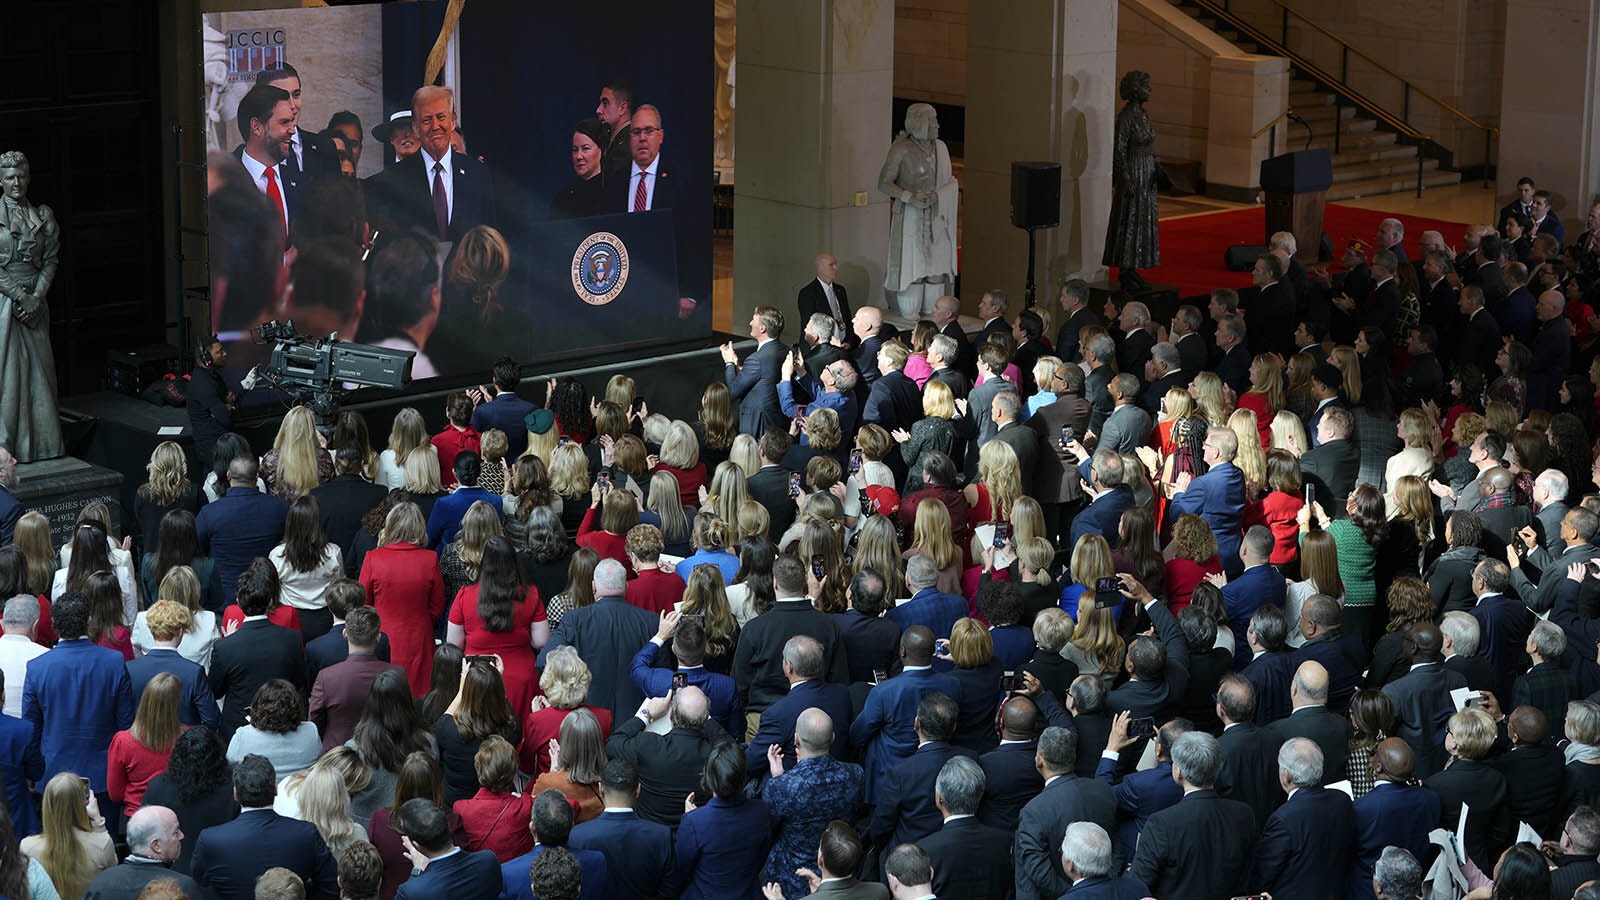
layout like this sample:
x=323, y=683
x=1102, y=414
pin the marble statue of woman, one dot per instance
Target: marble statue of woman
x=30, y=242
x=922, y=214
x=1131, y=235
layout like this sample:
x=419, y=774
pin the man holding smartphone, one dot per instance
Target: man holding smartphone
x=688, y=637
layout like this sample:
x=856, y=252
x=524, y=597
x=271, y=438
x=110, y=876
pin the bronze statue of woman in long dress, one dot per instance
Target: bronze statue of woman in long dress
x=1131, y=235
x=30, y=242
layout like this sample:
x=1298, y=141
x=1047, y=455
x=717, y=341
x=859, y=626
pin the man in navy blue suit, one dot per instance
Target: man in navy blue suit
x=76, y=696
x=1249, y=754
x=1304, y=849
x=332, y=648
x=802, y=666
x=1066, y=798
x=1217, y=496
x=905, y=809
x=1202, y=846
x=928, y=606
x=440, y=869
x=1272, y=665
x=168, y=622
x=755, y=384
x=229, y=858
x=688, y=639
x=1088, y=861
x=444, y=522
x=1398, y=812
x=241, y=525
x=1103, y=515
x=500, y=407
x=1140, y=795
x=638, y=852
x=971, y=861
x=1259, y=585
x=886, y=730
x=436, y=189
x=552, y=826
x=1010, y=780
x=1342, y=656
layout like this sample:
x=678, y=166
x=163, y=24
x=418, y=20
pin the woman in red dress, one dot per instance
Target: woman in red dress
x=1194, y=550
x=500, y=616
x=405, y=586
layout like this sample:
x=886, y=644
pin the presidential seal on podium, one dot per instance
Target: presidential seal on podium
x=600, y=268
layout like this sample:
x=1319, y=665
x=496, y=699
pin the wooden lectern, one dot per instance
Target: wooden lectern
x=1296, y=186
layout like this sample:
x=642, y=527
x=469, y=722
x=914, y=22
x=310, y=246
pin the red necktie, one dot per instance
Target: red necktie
x=275, y=195
x=639, y=195
x=441, y=204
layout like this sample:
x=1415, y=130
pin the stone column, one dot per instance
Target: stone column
x=1549, y=124
x=1246, y=93
x=1041, y=85
x=816, y=82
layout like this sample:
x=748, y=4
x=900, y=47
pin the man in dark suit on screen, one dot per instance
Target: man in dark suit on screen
x=266, y=119
x=755, y=383
x=649, y=183
x=310, y=154
x=438, y=190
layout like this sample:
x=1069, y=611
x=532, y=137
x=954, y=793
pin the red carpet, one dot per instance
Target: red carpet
x=1192, y=248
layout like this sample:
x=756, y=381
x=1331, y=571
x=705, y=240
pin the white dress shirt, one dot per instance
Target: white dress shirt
x=649, y=186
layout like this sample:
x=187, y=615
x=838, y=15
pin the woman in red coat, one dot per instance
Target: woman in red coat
x=501, y=616
x=496, y=818
x=405, y=586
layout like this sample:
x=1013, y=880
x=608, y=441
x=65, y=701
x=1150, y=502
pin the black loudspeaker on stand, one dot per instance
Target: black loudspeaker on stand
x=1035, y=204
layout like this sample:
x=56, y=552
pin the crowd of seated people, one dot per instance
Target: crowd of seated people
x=1246, y=601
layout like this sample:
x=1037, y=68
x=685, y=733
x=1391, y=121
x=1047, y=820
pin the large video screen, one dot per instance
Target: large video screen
x=546, y=195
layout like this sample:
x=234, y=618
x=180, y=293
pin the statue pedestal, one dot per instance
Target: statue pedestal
x=1162, y=299
x=60, y=487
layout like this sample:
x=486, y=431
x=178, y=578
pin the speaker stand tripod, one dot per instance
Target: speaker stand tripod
x=1030, y=299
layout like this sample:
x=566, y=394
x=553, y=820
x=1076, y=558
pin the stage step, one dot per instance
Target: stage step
x=1383, y=168
x=1391, y=184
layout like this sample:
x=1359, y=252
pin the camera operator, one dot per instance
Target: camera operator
x=210, y=404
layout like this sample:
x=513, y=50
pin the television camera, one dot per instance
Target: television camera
x=317, y=372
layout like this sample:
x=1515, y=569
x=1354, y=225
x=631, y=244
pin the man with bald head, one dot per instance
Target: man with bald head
x=1249, y=753
x=1535, y=771
x=1010, y=779
x=1396, y=812
x=1551, y=348
x=1500, y=513
x=805, y=795
x=1422, y=694
x=885, y=732
x=154, y=841
x=669, y=765
x=1312, y=719
x=867, y=325
x=808, y=692
x=1342, y=656
x=823, y=295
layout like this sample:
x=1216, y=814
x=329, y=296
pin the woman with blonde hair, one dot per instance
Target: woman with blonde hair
x=1095, y=645
x=1044, y=373
x=1210, y=399
x=620, y=390
x=323, y=799
x=1266, y=394
x=930, y=535
x=1193, y=557
x=743, y=453
x=680, y=458
x=74, y=846
x=181, y=619
x=998, y=486
x=936, y=431
x=32, y=537
x=1319, y=574
x=1348, y=362
x=1176, y=406
x=569, y=478
x=663, y=508
x=576, y=762
x=1410, y=531
x=1249, y=457
x=1091, y=561
x=140, y=753
x=716, y=427
x=408, y=433
x=752, y=520
x=1415, y=429
x=461, y=557
x=711, y=541
x=405, y=586
x=297, y=461
x=1501, y=418
x=420, y=481
x=728, y=490
x=543, y=436
x=168, y=488
x=1288, y=433
x=565, y=682
x=878, y=549
x=705, y=595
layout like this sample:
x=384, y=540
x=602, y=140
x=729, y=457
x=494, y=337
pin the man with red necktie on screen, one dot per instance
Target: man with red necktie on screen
x=266, y=120
x=649, y=185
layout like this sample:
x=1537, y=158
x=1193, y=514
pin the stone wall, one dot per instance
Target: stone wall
x=930, y=50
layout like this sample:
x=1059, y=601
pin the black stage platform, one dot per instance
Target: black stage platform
x=120, y=432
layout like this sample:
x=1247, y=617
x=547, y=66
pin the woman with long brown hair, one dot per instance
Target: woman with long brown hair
x=177, y=544
x=90, y=554
x=106, y=626
x=74, y=846
x=141, y=752
x=529, y=489
x=716, y=427
x=706, y=596
x=480, y=709
x=1357, y=538
x=501, y=616
x=307, y=562
x=460, y=559
x=418, y=777
x=579, y=591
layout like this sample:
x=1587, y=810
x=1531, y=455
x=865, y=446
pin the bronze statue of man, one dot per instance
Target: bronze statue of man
x=30, y=245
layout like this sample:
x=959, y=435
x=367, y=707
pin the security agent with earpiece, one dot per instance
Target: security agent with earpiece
x=211, y=405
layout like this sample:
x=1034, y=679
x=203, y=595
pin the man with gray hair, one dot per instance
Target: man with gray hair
x=946, y=317
x=1111, y=497
x=832, y=388
x=17, y=647
x=816, y=346
x=944, y=358
x=1087, y=859
x=11, y=508
x=930, y=607
x=1202, y=847
x=1075, y=304
x=1304, y=849
x=1186, y=336
x=1042, y=826
x=154, y=841
x=808, y=693
x=970, y=859
x=823, y=296
x=1574, y=854
x=1006, y=411
x=1218, y=496
x=606, y=634
x=993, y=307
x=1576, y=532
x=1162, y=373
x=1397, y=876
x=1461, y=638
x=1503, y=623
x=1550, y=489
x=1098, y=354
x=1137, y=336
x=1551, y=349
x=1547, y=686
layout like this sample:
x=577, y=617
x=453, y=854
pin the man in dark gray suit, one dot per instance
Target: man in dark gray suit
x=1128, y=426
x=1550, y=499
x=755, y=384
x=1066, y=798
x=1249, y=753
x=1311, y=718
x=1024, y=441
x=992, y=362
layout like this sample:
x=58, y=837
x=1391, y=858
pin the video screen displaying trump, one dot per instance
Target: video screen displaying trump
x=526, y=179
